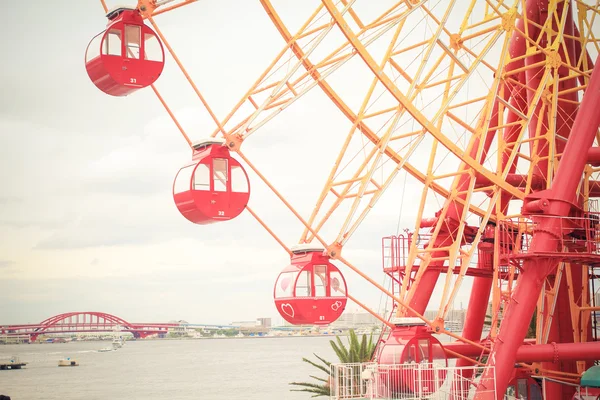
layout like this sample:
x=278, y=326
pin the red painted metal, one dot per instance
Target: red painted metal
x=553, y=389
x=412, y=345
x=214, y=187
x=561, y=230
x=481, y=289
x=311, y=290
x=575, y=236
x=474, y=320
x=560, y=202
x=127, y=56
x=395, y=254
x=594, y=156
x=530, y=353
x=88, y=321
x=523, y=386
x=561, y=331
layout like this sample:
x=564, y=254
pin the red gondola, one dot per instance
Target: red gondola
x=118, y=61
x=523, y=386
x=311, y=290
x=409, y=344
x=214, y=187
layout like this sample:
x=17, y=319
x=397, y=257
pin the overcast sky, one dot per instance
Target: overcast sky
x=87, y=219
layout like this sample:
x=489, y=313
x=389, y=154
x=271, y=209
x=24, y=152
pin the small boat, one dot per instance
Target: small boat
x=117, y=343
x=13, y=363
x=68, y=362
x=106, y=349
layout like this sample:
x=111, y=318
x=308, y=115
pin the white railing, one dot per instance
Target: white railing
x=581, y=393
x=405, y=381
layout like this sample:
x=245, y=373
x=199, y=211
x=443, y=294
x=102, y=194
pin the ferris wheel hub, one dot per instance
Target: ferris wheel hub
x=509, y=19
x=146, y=7
x=234, y=142
x=335, y=251
x=455, y=41
x=553, y=59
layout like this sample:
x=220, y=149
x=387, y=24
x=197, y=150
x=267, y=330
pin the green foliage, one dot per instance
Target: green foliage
x=531, y=330
x=321, y=386
x=356, y=351
x=227, y=332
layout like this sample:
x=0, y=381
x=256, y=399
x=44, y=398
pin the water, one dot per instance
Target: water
x=210, y=369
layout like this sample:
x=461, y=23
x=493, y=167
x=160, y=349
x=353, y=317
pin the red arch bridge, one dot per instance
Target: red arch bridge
x=85, y=322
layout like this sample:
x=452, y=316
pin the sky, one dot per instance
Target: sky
x=87, y=219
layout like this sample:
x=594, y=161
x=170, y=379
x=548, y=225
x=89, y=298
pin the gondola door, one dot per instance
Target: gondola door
x=221, y=187
x=132, y=53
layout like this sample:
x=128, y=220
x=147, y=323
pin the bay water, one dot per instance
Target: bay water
x=211, y=369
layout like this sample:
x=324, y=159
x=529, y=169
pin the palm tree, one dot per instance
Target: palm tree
x=356, y=351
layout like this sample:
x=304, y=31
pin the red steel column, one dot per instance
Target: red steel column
x=536, y=269
x=562, y=330
x=536, y=352
x=473, y=326
x=554, y=390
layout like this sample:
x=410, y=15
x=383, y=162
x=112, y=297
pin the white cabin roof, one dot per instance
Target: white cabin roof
x=306, y=247
x=207, y=142
x=407, y=321
x=111, y=11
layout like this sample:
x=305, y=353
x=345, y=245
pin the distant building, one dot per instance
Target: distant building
x=181, y=329
x=430, y=314
x=355, y=320
x=246, y=324
x=264, y=322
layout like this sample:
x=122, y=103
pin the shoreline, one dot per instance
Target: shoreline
x=183, y=338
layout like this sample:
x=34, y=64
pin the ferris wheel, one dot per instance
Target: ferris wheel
x=489, y=107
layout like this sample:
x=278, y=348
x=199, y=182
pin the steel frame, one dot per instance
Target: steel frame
x=516, y=148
